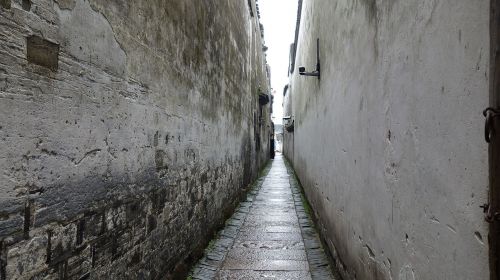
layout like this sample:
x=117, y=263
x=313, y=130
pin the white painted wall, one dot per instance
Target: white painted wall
x=389, y=144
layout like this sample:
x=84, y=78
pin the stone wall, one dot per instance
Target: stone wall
x=389, y=144
x=128, y=131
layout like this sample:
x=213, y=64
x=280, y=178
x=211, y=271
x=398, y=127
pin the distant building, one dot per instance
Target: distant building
x=278, y=132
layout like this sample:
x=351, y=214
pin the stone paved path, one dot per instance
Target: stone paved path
x=270, y=236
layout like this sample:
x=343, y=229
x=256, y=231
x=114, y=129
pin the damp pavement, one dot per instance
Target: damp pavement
x=270, y=235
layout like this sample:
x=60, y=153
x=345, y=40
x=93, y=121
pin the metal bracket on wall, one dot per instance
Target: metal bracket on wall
x=490, y=216
x=302, y=70
x=489, y=129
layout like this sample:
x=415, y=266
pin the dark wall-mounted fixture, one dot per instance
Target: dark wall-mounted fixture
x=289, y=126
x=263, y=99
x=302, y=70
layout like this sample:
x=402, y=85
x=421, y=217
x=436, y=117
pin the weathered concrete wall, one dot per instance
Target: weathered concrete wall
x=389, y=143
x=128, y=129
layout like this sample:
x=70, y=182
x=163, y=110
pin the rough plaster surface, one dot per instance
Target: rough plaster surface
x=123, y=160
x=389, y=143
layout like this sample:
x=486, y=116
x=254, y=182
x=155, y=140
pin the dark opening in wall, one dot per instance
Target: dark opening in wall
x=49, y=247
x=257, y=142
x=263, y=99
x=3, y=260
x=80, y=229
x=26, y=5
x=5, y=4
x=42, y=52
x=27, y=220
x=250, y=7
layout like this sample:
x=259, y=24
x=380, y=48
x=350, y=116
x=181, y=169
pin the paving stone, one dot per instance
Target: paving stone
x=274, y=218
x=268, y=254
x=273, y=212
x=272, y=265
x=272, y=229
x=250, y=234
x=256, y=223
x=298, y=245
x=252, y=274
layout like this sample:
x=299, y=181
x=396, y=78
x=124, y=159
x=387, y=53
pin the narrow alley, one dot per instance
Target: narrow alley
x=250, y=139
x=270, y=235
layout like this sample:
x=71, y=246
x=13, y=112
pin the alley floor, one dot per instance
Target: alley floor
x=270, y=236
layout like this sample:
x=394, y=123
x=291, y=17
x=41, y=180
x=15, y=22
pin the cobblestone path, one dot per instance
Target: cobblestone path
x=270, y=236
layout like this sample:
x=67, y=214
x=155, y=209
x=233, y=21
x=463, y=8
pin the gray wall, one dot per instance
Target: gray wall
x=389, y=143
x=287, y=124
x=127, y=132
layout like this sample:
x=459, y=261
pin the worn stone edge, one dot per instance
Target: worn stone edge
x=321, y=263
x=215, y=253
